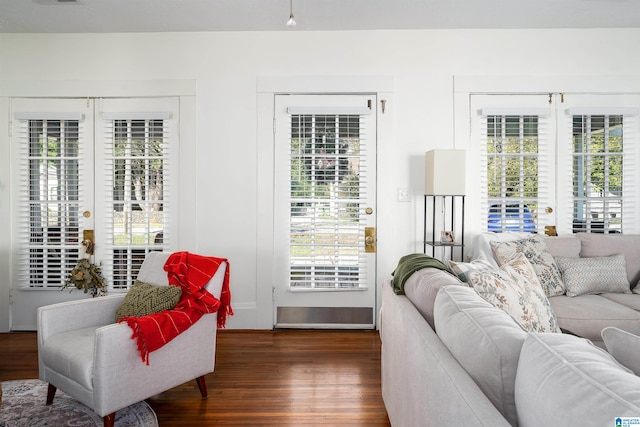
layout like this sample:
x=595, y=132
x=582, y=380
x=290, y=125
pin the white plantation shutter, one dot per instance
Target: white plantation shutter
x=135, y=188
x=116, y=174
x=515, y=177
x=588, y=158
x=631, y=173
x=51, y=183
x=604, y=165
x=328, y=181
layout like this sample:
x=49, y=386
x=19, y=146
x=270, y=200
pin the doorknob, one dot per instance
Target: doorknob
x=370, y=239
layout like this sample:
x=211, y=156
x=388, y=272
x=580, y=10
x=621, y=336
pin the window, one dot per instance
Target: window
x=512, y=172
x=135, y=154
x=325, y=218
x=112, y=179
x=572, y=165
x=514, y=153
x=598, y=154
x=50, y=173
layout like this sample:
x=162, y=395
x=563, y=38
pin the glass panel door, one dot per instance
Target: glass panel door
x=325, y=188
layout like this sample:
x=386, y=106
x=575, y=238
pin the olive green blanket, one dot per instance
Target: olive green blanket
x=408, y=265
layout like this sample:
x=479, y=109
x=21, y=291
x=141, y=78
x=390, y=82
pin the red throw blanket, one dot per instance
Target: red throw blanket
x=191, y=272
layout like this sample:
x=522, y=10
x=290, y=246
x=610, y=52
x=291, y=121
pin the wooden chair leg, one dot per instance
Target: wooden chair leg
x=51, y=392
x=109, y=420
x=202, y=385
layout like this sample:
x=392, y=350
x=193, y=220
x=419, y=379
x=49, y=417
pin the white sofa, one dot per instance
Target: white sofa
x=450, y=357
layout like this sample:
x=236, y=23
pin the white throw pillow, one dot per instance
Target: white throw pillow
x=515, y=289
x=623, y=346
x=481, y=245
x=462, y=269
x=536, y=250
x=594, y=275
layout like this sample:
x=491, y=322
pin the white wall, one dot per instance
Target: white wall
x=432, y=73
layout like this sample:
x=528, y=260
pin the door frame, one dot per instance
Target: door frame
x=185, y=89
x=5, y=223
x=267, y=89
x=321, y=308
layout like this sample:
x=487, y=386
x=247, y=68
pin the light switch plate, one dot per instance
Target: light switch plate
x=403, y=195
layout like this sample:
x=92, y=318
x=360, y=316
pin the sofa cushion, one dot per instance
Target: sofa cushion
x=596, y=244
x=485, y=341
x=566, y=380
x=536, y=251
x=462, y=269
x=587, y=315
x=594, y=275
x=71, y=354
x=422, y=287
x=628, y=300
x=515, y=288
x=565, y=246
x=623, y=346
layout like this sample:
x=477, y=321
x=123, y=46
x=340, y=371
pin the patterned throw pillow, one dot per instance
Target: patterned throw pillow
x=515, y=289
x=143, y=299
x=536, y=251
x=462, y=269
x=594, y=275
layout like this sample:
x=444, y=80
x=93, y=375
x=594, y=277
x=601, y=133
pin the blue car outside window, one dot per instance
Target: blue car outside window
x=510, y=218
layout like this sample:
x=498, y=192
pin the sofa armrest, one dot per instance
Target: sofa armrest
x=62, y=317
x=422, y=383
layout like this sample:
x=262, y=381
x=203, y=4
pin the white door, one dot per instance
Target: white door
x=52, y=146
x=83, y=167
x=325, y=164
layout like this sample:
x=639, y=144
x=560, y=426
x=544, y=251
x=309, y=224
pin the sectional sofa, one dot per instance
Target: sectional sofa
x=453, y=354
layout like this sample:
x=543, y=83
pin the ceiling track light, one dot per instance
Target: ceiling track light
x=291, y=23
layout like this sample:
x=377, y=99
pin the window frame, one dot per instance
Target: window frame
x=558, y=211
x=525, y=212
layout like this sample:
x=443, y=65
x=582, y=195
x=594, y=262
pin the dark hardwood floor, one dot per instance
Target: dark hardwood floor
x=262, y=378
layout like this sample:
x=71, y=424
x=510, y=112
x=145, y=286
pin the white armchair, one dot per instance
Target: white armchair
x=82, y=352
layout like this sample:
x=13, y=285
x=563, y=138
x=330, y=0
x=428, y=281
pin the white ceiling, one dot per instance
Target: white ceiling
x=101, y=16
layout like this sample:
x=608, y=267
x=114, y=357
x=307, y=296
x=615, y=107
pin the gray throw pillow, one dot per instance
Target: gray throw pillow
x=594, y=275
x=143, y=299
x=597, y=244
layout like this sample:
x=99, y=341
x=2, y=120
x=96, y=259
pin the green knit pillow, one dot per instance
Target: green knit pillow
x=143, y=299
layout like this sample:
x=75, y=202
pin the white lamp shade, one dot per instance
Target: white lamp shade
x=444, y=172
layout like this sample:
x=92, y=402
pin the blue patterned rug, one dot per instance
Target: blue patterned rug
x=23, y=404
